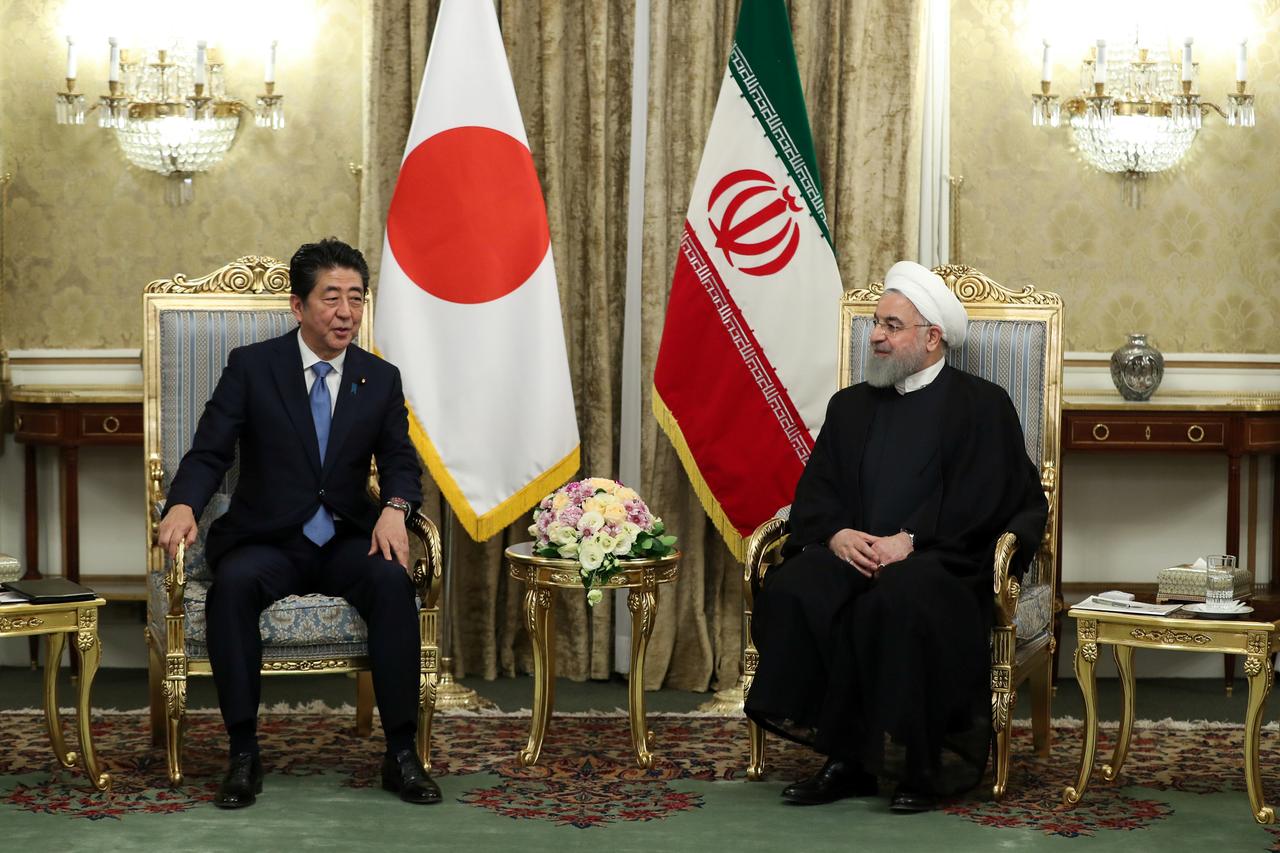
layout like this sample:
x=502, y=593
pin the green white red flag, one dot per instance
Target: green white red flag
x=747, y=361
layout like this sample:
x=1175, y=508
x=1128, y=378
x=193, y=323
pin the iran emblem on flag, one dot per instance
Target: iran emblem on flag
x=747, y=361
x=467, y=302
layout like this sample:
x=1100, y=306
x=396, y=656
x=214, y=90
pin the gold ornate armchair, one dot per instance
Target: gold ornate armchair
x=190, y=327
x=1015, y=340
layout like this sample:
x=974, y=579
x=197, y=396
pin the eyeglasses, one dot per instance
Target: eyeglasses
x=891, y=328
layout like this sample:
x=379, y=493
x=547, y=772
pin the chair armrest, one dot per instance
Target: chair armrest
x=428, y=569
x=762, y=551
x=155, y=494
x=1008, y=588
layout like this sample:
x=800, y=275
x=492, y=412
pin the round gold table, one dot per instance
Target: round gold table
x=541, y=575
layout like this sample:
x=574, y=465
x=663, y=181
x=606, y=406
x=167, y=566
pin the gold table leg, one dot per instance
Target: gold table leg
x=642, y=602
x=539, y=618
x=89, y=652
x=1086, y=658
x=1260, y=674
x=52, y=661
x=1124, y=663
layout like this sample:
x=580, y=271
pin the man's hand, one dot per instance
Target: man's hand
x=391, y=537
x=891, y=549
x=178, y=525
x=855, y=548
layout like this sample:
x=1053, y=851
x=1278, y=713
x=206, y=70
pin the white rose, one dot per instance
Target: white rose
x=590, y=555
x=630, y=528
x=533, y=531
x=606, y=542
x=594, y=597
x=569, y=551
x=561, y=534
x=591, y=521
x=606, y=499
x=623, y=548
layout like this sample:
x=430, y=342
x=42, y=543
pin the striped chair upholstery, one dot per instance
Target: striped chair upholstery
x=1015, y=341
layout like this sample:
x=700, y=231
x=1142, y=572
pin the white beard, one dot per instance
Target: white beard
x=884, y=372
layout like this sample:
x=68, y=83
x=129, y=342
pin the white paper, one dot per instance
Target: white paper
x=9, y=597
x=1140, y=608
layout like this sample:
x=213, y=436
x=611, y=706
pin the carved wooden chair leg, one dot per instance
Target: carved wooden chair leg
x=155, y=691
x=1002, y=704
x=175, y=688
x=1041, y=679
x=755, y=769
x=426, y=715
x=364, y=704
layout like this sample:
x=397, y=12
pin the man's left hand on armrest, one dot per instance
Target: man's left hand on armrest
x=391, y=537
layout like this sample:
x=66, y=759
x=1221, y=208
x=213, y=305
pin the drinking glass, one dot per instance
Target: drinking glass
x=1219, y=587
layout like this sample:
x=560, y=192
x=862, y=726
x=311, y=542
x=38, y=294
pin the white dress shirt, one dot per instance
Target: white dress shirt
x=914, y=382
x=333, y=380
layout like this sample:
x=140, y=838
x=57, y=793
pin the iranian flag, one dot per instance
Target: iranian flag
x=467, y=302
x=748, y=354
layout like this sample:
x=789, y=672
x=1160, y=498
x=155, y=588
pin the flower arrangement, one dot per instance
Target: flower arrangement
x=597, y=522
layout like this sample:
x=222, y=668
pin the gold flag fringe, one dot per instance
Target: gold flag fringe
x=737, y=542
x=482, y=527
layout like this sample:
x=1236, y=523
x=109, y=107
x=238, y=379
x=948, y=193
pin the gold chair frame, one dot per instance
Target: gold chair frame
x=983, y=299
x=256, y=283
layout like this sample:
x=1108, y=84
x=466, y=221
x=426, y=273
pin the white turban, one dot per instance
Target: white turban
x=932, y=298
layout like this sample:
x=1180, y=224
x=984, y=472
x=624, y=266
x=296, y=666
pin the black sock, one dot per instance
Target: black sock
x=244, y=737
x=401, y=738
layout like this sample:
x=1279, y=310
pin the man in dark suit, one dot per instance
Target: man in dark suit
x=308, y=411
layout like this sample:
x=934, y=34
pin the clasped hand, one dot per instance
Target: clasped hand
x=869, y=554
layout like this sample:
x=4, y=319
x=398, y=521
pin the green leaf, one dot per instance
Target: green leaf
x=667, y=540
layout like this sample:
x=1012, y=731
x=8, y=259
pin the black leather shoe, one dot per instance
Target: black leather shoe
x=242, y=783
x=835, y=781
x=907, y=801
x=403, y=772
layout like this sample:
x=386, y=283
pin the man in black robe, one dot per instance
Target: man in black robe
x=874, y=632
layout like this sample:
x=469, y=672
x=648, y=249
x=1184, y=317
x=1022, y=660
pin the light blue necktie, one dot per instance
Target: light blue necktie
x=319, y=528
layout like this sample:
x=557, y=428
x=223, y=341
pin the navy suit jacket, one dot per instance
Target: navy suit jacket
x=261, y=402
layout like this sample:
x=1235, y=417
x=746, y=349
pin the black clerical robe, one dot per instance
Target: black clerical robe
x=849, y=664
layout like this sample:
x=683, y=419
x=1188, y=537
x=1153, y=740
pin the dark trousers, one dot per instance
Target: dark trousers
x=249, y=579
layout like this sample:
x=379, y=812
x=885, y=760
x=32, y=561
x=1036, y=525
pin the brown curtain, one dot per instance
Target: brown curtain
x=571, y=62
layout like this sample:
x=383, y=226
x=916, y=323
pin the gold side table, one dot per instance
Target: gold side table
x=541, y=575
x=1256, y=639
x=55, y=622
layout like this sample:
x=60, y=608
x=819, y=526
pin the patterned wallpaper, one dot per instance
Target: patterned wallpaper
x=1197, y=266
x=85, y=231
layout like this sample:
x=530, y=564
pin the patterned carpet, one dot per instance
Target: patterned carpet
x=586, y=777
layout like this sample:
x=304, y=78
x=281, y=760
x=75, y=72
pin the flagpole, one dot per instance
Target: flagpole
x=450, y=695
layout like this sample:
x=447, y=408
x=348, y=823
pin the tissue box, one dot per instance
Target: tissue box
x=10, y=570
x=1186, y=583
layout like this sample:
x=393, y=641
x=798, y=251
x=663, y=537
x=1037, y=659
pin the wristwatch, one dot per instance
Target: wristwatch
x=398, y=503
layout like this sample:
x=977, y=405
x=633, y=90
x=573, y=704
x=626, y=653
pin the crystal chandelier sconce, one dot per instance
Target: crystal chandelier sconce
x=169, y=109
x=1137, y=112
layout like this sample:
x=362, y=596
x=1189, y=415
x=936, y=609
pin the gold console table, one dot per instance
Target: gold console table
x=542, y=575
x=54, y=622
x=1255, y=637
